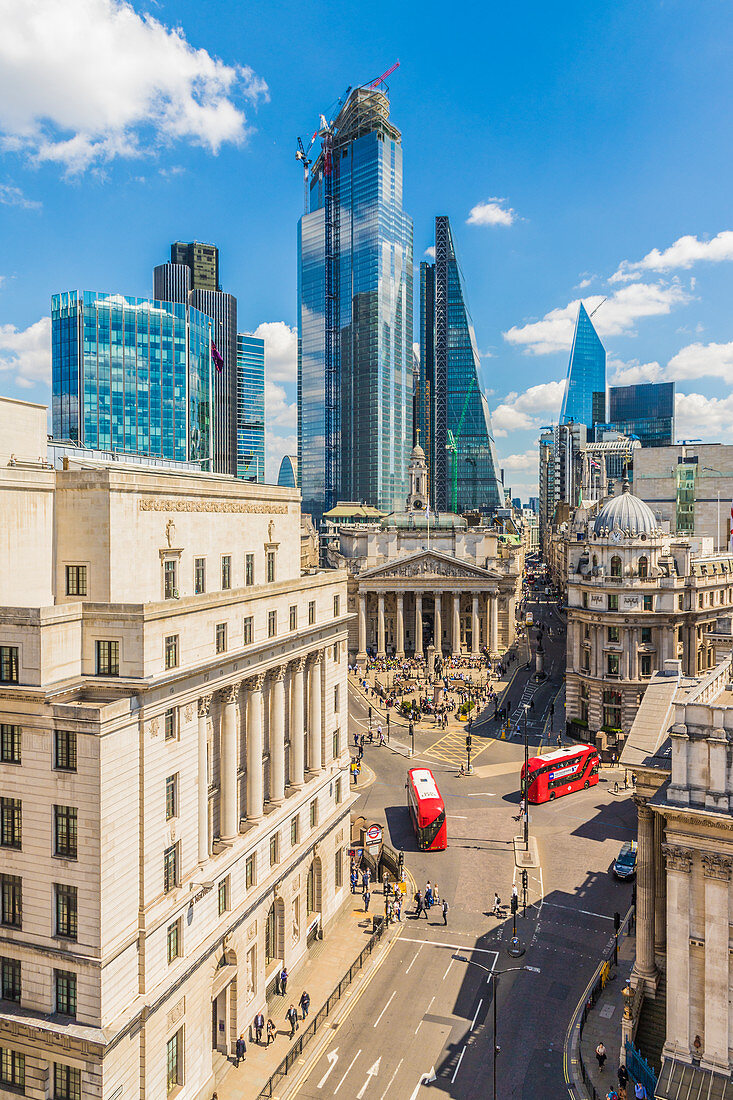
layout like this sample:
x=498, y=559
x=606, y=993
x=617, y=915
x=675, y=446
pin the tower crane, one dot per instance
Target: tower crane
x=381, y=79
x=302, y=155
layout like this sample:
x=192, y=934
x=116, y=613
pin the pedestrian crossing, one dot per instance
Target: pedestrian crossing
x=451, y=749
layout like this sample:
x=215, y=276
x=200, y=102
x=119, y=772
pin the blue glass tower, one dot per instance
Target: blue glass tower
x=452, y=411
x=288, y=474
x=131, y=375
x=250, y=407
x=355, y=315
x=584, y=401
x=645, y=411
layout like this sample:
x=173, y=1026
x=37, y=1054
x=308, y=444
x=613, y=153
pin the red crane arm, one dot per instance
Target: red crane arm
x=383, y=77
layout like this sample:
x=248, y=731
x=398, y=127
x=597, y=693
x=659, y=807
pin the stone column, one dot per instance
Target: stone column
x=645, y=967
x=297, y=726
x=400, y=648
x=474, y=627
x=438, y=625
x=255, y=770
x=494, y=643
x=361, y=655
x=203, y=777
x=380, y=646
x=314, y=712
x=456, y=624
x=660, y=888
x=679, y=867
x=418, y=624
x=228, y=763
x=716, y=871
x=277, y=736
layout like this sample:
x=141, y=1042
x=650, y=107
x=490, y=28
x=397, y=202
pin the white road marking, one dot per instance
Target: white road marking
x=425, y=1079
x=450, y=964
x=458, y=817
x=333, y=1058
x=480, y=794
x=473, y=1023
x=389, y=1086
x=425, y=1014
x=371, y=1072
x=455, y=1071
x=338, y=1086
x=585, y=912
x=453, y=946
x=389, y=1002
x=416, y=954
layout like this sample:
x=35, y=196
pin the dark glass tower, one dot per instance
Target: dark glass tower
x=250, y=407
x=645, y=411
x=453, y=413
x=355, y=362
x=202, y=260
x=584, y=401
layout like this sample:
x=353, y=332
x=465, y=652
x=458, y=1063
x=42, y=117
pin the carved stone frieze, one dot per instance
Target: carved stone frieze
x=160, y=504
x=717, y=866
x=176, y=1012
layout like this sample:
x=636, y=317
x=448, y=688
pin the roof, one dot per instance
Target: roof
x=626, y=513
x=680, y=1081
x=349, y=510
x=652, y=721
x=436, y=520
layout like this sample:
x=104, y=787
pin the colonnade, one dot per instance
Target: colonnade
x=484, y=604
x=240, y=706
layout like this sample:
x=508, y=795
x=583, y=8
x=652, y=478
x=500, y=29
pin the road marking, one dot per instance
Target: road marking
x=338, y=1086
x=333, y=1058
x=416, y=954
x=379, y=1017
x=455, y=1071
x=450, y=964
x=389, y=1086
x=425, y=1014
x=425, y=1079
x=458, y=817
x=473, y=1024
x=453, y=947
x=585, y=912
x=371, y=1072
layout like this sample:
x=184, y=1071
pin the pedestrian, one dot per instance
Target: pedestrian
x=601, y=1055
x=283, y=980
x=271, y=1032
x=497, y=905
x=445, y=911
x=292, y=1017
x=305, y=1002
x=428, y=895
x=398, y=908
x=612, y=1094
x=240, y=1048
x=436, y=895
x=640, y=1092
x=367, y=899
x=259, y=1023
x=365, y=879
x=354, y=880
x=623, y=1079
x=515, y=892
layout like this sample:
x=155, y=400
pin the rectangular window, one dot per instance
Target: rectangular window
x=646, y=664
x=76, y=580
x=585, y=599
x=646, y=634
x=171, y=797
x=612, y=664
x=108, y=658
x=9, y=664
x=12, y=1069
x=10, y=744
x=174, y=941
x=338, y=790
x=294, y=831
x=65, y=831
x=680, y=602
x=274, y=849
x=64, y=750
x=221, y=637
x=224, y=904
x=314, y=813
x=336, y=744
x=65, y=983
x=174, y=1061
x=271, y=624
x=66, y=1082
x=10, y=979
x=226, y=572
x=311, y=612
x=336, y=653
x=249, y=872
x=270, y=566
x=613, y=634
x=294, y=617
x=338, y=868
x=171, y=724
x=613, y=603
x=66, y=911
x=336, y=698
x=12, y=901
x=171, y=651
x=170, y=868
x=336, y=606
x=248, y=630
x=249, y=569
x=11, y=823
x=170, y=580
x=585, y=661
x=648, y=603
x=199, y=576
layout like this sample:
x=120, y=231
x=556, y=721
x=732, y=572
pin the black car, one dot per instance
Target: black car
x=624, y=866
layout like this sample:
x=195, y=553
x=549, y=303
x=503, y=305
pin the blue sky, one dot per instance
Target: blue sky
x=591, y=141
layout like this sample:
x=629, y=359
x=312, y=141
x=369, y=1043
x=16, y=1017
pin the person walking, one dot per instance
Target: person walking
x=640, y=1092
x=398, y=908
x=365, y=879
x=305, y=1003
x=240, y=1050
x=354, y=880
x=367, y=899
x=292, y=1017
x=259, y=1023
x=601, y=1055
x=284, y=980
x=623, y=1079
x=428, y=895
x=271, y=1032
x=445, y=911
x=497, y=905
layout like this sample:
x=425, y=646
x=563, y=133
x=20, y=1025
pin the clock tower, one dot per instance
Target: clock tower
x=417, y=500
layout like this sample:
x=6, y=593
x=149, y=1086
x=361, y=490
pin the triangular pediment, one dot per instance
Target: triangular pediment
x=426, y=564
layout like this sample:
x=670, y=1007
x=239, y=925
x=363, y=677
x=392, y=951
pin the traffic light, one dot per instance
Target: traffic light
x=515, y=903
x=402, y=860
x=524, y=881
x=370, y=713
x=468, y=741
x=616, y=921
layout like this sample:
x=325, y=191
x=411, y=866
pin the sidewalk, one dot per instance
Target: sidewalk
x=320, y=972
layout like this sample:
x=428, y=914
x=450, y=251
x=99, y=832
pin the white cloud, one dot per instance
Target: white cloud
x=528, y=460
x=693, y=361
x=632, y=374
x=281, y=350
x=685, y=252
x=13, y=196
x=528, y=410
x=26, y=353
x=492, y=212
x=616, y=317
x=706, y=417
x=278, y=410
x=430, y=251
x=277, y=445
x=86, y=81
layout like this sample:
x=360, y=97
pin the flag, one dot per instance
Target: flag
x=217, y=357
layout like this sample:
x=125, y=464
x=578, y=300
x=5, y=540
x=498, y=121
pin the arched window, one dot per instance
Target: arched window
x=615, y=566
x=270, y=936
x=643, y=568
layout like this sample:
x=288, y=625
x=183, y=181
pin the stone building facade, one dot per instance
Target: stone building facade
x=173, y=771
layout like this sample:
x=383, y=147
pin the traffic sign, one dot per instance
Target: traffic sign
x=374, y=834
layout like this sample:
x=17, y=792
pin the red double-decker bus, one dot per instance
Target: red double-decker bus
x=427, y=810
x=560, y=772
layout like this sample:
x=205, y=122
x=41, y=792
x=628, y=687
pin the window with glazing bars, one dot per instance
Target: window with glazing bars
x=249, y=569
x=270, y=566
x=10, y=744
x=64, y=750
x=174, y=1061
x=170, y=868
x=108, y=658
x=65, y=831
x=311, y=612
x=171, y=724
x=221, y=637
x=9, y=664
x=171, y=651
x=170, y=580
x=66, y=1082
x=12, y=1069
x=294, y=830
x=294, y=617
x=249, y=872
x=171, y=796
x=248, y=630
x=10, y=979
x=76, y=580
x=224, y=895
x=199, y=575
x=174, y=932
x=336, y=607
x=226, y=571
x=66, y=911
x=11, y=823
x=65, y=983
x=271, y=624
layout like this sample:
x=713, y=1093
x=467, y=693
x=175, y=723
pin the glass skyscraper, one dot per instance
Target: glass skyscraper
x=452, y=411
x=131, y=375
x=355, y=315
x=645, y=411
x=250, y=407
x=584, y=401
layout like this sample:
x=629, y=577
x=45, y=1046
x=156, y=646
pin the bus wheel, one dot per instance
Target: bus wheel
x=552, y=796
x=586, y=785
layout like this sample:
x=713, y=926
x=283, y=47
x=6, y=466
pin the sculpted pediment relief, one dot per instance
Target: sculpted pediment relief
x=427, y=565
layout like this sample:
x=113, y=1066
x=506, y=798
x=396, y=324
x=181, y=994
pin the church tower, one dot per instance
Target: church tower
x=417, y=501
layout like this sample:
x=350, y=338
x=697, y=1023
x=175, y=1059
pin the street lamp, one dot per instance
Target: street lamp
x=525, y=785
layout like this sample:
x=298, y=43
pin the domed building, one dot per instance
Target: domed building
x=637, y=597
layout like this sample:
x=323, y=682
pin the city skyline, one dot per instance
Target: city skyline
x=652, y=239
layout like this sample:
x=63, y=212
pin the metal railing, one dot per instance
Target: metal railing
x=323, y=1013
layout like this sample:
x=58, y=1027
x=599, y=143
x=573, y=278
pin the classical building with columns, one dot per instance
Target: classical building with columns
x=637, y=597
x=417, y=579
x=680, y=749
x=173, y=770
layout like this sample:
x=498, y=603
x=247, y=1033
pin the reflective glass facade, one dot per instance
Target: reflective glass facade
x=645, y=412
x=288, y=474
x=453, y=414
x=250, y=408
x=584, y=401
x=370, y=433
x=131, y=375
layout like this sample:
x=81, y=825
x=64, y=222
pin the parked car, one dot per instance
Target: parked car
x=624, y=866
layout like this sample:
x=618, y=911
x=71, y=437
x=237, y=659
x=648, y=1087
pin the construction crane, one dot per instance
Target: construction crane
x=597, y=307
x=381, y=79
x=302, y=155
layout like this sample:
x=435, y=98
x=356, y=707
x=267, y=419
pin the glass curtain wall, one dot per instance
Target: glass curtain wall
x=250, y=408
x=584, y=401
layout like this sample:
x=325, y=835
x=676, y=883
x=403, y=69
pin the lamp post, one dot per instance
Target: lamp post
x=525, y=785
